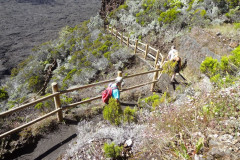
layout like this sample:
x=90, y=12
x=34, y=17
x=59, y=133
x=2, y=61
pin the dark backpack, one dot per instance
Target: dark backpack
x=107, y=94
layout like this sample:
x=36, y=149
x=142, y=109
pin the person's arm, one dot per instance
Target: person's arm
x=117, y=95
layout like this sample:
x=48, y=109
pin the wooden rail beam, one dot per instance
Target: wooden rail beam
x=153, y=49
x=139, y=74
x=86, y=86
x=137, y=86
x=29, y=123
x=28, y=104
x=81, y=102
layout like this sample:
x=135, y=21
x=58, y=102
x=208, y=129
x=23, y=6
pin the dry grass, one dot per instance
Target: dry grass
x=227, y=30
x=180, y=132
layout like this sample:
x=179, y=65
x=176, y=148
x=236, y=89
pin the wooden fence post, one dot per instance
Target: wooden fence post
x=135, y=50
x=57, y=101
x=121, y=38
x=116, y=33
x=155, y=77
x=120, y=75
x=128, y=41
x=156, y=60
x=146, y=52
x=162, y=61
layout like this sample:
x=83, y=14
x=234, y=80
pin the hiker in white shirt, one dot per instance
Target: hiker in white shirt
x=172, y=53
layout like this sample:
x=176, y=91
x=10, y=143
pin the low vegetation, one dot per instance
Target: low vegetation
x=112, y=151
x=183, y=126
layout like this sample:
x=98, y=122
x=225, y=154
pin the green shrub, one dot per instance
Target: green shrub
x=65, y=99
x=235, y=58
x=232, y=12
x=168, y=67
x=190, y=5
x=124, y=6
x=203, y=13
x=103, y=48
x=237, y=25
x=222, y=74
x=107, y=55
x=129, y=115
x=113, y=112
x=39, y=105
x=112, y=150
x=168, y=16
x=165, y=97
x=34, y=83
x=153, y=100
x=224, y=64
x=3, y=95
x=69, y=75
x=210, y=66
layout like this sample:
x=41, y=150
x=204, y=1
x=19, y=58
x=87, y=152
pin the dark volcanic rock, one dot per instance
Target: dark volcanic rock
x=109, y=5
x=27, y=23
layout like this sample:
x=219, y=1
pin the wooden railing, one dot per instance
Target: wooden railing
x=146, y=49
x=59, y=108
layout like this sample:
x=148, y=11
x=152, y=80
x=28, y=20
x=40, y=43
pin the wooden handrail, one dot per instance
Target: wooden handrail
x=56, y=94
x=140, y=49
x=28, y=104
x=81, y=102
x=137, y=86
x=86, y=86
x=139, y=74
x=29, y=123
x=142, y=43
x=125, y=37
x=152, y=48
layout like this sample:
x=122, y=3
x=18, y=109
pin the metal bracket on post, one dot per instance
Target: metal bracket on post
x=155, y=77
x=57, y=101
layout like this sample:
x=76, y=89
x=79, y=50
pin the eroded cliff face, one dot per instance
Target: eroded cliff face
x=109, y=5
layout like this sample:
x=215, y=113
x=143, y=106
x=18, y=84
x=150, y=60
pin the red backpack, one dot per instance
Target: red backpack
x=107, y=94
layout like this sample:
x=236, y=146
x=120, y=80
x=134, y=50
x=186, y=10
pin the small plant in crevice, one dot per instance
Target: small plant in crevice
x=112, y=150
x=3, y=94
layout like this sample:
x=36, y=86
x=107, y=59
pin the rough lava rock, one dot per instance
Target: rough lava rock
x=27, y=23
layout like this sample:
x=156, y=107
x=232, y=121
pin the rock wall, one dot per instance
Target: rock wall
x=109, y=5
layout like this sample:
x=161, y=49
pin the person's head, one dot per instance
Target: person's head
x=173, y=47
x=118, y=81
